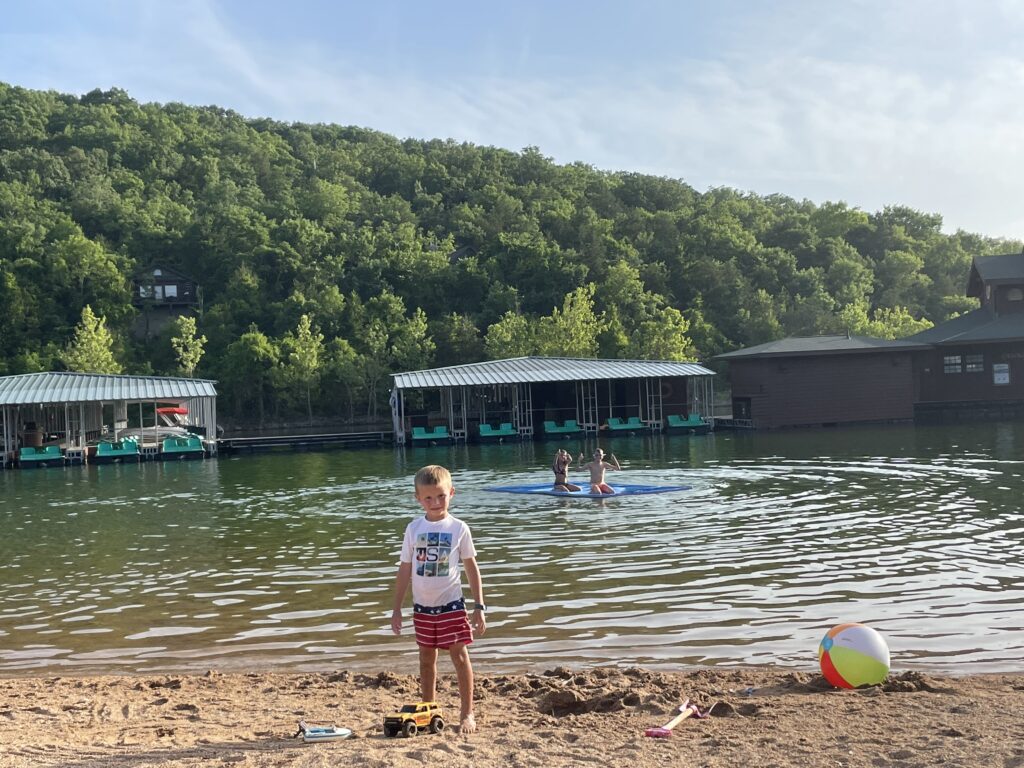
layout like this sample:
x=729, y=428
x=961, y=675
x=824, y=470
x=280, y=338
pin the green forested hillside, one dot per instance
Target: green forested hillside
x=330, y=256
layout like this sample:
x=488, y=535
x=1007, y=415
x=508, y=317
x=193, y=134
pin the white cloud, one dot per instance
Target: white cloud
x=802, y=127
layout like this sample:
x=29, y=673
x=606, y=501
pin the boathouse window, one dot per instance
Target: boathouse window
x=1015, y=294
x=952, y=364
x=974, y=363
x=1001, y=373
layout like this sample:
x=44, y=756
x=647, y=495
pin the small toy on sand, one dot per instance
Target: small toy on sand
x=686, y=709
x=322, y=732
x=412, y=718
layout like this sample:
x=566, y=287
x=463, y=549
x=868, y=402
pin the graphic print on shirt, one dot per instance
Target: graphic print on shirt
x=433, y=551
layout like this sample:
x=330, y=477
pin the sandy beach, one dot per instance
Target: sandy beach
x=560, y=717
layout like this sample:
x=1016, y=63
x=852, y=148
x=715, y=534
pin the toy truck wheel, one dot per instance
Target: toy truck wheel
x=409, y=728
x=390, y=731
x=436, y=724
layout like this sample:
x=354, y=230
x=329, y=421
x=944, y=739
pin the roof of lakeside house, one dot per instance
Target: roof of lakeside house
x=1000, y=269
x=804, y=346
x=978, y=325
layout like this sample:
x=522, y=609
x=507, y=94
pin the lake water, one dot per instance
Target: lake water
x=286, y=561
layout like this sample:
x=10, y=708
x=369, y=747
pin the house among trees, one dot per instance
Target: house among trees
x=461, y=253
x=162, y=294
x=969, y=367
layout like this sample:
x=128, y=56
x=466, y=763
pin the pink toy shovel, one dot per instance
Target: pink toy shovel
x=685, y=710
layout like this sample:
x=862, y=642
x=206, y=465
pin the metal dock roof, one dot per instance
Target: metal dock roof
x=530, y=370
x=67, y=387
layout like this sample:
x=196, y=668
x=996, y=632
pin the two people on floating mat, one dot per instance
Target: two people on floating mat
x=596, y=466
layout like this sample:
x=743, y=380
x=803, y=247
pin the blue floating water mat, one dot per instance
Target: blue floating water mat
x=620, y=490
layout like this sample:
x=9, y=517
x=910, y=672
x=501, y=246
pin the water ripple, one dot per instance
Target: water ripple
x=288, y=561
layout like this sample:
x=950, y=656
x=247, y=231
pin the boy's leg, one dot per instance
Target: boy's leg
x=464, y=672
x=428, y=674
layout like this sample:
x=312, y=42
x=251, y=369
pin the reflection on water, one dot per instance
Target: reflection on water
x=287, y=560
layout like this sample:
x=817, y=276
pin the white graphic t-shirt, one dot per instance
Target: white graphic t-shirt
x=436, y=551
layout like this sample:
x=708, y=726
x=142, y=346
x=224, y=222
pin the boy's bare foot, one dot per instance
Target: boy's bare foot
x=468, y=725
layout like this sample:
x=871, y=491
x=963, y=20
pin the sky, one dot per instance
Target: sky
x=871, y=102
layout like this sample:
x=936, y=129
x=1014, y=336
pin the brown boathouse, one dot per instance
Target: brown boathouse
x=966, y=368
x=975, y=363
x=822, y=380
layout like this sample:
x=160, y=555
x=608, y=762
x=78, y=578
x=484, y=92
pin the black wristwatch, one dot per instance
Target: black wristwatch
x=480, y=607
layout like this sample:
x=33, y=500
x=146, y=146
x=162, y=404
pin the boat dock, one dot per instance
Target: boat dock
x=260, y=443
x=725, y=423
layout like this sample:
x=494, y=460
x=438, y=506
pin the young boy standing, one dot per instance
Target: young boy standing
x=434, y=548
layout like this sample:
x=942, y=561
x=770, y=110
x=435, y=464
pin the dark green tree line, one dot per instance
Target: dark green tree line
x=332, y=256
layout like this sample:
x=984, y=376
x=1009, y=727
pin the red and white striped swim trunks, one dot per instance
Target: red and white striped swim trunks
x=442, y=626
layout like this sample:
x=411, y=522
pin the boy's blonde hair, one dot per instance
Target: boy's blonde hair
x=433, y=474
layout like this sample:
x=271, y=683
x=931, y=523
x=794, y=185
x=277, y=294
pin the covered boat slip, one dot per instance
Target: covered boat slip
x=547, y=397
x=75, y=418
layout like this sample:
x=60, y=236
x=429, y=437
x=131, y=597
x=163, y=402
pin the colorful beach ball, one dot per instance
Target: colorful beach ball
x=852, y=655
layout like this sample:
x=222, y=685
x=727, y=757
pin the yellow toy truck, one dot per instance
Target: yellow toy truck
x=413, y=718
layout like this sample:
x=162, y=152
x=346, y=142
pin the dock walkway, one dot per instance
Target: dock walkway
x=258, y=443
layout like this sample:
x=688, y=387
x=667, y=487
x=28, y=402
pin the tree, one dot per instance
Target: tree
x=900, y=281
x=511, y=336
x=663, y=337
x=574, y=327
x=885, y=323
x=344, y=367
x=91, y=349
x=808, y=312
x=394, y=246
x=457, y=340
x=388, y=339
x=849, y=280
x=374, y=365
x=708, y=341
x=303, y=359
x=897, y=323
x=188, y=348
x=411, y=345
x=249, y=363
x=613, y=341
x=759, y=320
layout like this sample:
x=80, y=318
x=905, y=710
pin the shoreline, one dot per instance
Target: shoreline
x=557, y=717
x=405, y=661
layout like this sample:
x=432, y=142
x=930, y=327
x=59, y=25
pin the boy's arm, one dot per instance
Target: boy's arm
x=401, y=587
x=476, y=585
x=614, y=465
